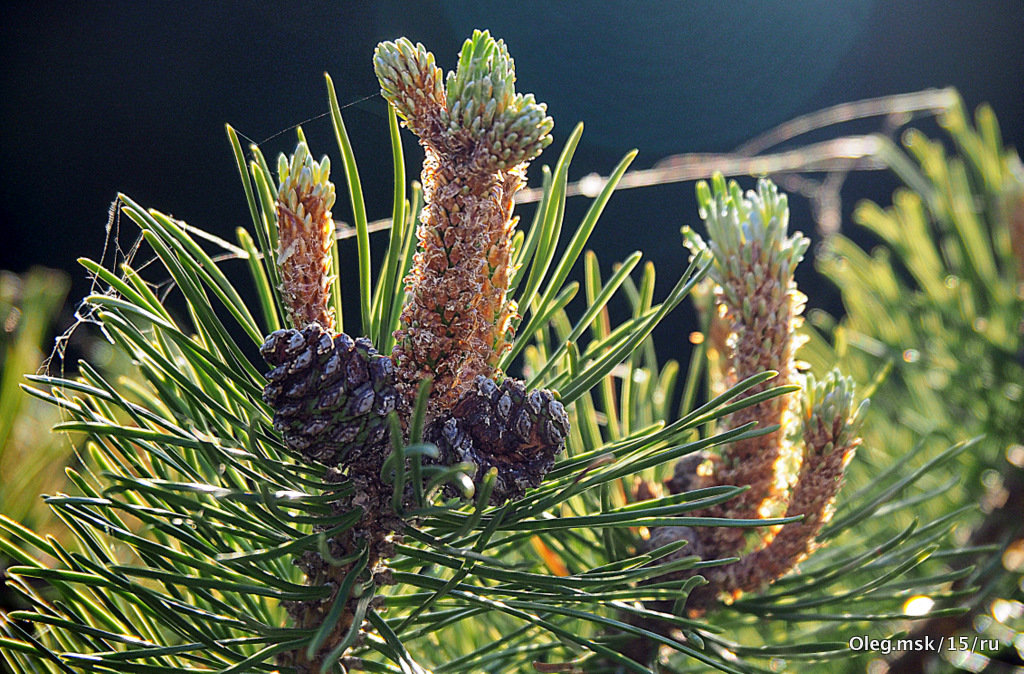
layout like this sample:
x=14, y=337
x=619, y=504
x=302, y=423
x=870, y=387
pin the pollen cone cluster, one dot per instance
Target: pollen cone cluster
x=478, y=135
x=754, y=259
x=829, y=419
x=753, y=328
x=305, y=232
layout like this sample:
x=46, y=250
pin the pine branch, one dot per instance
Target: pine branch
x=231, y=519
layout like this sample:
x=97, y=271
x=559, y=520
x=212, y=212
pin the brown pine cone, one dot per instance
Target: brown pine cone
x=331, y=396
x=503, y=426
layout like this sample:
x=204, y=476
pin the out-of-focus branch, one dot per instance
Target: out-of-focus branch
x=835, y=158
x=840, y=154
x=928, y=101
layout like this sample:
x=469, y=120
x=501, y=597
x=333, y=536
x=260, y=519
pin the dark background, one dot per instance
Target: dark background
x=106, y=97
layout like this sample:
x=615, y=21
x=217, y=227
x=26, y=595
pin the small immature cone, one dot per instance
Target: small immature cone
x=331, y=395
x=305, y=234
x=478, y=136
x=503, y=427
x=754, y=259
x=829, y=421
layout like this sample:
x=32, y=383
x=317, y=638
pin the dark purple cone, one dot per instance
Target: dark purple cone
x=503, y=426
x=330, y=396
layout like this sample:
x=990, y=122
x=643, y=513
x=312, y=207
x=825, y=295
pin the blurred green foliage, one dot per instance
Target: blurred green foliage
x=939, y=305
x=32, y=457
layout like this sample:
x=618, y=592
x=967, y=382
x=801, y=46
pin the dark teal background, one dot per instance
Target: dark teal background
x=99, y=97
